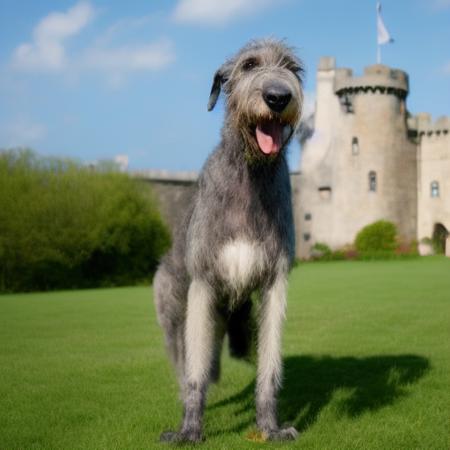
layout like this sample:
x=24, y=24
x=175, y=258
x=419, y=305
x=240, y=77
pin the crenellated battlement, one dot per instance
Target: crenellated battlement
x=376, y=78
x=425, y=127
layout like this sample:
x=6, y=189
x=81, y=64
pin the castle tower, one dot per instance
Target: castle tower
x=359, y=162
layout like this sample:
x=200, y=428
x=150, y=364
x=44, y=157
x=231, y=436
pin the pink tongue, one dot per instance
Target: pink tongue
x=269, y=137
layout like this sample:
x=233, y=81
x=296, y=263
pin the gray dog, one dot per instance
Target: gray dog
x=237, y=238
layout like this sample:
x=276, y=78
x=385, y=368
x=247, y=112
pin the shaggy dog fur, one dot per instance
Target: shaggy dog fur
x=237, y=238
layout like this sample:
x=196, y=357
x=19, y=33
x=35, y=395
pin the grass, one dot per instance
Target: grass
x=366, y=355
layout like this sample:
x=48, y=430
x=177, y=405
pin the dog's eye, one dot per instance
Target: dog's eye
x=297, y=70
x=249, y=64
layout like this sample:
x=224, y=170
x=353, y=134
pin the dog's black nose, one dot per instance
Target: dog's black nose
x=276, y=96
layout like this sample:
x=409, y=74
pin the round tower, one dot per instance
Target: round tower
x=360, y=166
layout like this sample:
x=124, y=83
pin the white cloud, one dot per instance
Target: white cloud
x=47, y=51
x=214, y=12
x=152, y=56
x=22, y=133
x=126, y=25
x=117, y=62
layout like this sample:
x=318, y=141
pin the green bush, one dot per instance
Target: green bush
x=377, y=239
x=63, y=225
x=338, y=255
x=321, y=251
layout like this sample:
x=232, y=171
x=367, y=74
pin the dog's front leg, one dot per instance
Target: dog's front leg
x=199, y=335
x=269, y=360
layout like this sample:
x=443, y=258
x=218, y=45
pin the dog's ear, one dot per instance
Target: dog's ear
x=220, y=78
x=215, y=89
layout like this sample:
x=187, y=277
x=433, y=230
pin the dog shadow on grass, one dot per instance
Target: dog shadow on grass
x=359, y=385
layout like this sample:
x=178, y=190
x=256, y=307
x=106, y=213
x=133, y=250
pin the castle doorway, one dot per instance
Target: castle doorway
x=440, y=235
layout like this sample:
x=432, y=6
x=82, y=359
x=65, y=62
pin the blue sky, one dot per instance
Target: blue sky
x=95, y=79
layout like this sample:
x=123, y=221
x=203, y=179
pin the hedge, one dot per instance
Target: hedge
x=63, y=225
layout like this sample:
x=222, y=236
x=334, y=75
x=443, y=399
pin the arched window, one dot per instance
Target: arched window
x=372, y=181
x=434, y=189
x=440, y=235
x=355, y=146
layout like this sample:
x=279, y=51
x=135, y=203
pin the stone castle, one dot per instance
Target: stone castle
x=364, y=158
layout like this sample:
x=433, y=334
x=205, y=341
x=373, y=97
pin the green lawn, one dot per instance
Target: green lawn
x=366, y=355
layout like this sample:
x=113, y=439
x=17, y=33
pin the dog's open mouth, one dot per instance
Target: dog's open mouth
x=271, y=136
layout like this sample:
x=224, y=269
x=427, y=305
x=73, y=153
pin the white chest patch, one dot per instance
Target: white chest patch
x=240, y=261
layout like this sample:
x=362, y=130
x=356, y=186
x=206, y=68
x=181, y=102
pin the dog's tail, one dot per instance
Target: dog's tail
x=241, y=331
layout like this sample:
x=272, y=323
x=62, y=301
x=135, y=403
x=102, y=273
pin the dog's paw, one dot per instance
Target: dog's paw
x=282, y=434
x=188, y=436
x=168, y=436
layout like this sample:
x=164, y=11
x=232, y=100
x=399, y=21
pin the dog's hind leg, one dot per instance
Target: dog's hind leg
x=176, y=349
x=240, y=329
x=171, y=312
x=200, y=334
x=269, y=360
x=219, y=334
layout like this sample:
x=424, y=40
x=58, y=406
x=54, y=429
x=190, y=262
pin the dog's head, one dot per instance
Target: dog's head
x=264, y=96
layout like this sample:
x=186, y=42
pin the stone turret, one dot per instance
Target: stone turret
x=359, y=165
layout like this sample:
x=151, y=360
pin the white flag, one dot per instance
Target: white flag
x=383, y=34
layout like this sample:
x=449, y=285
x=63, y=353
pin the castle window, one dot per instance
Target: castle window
x=346, y=103
x=306, y=237
x=434, y=189
x=355, y=146
x=325, y=192
x=372, y=181
x=308, y=216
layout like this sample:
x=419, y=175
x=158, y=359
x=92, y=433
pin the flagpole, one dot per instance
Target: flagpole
x=383, y=36
x=378, y=42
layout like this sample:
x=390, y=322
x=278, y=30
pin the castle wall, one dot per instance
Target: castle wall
x=314, y=209
x=173, y=193
x=434, y=164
